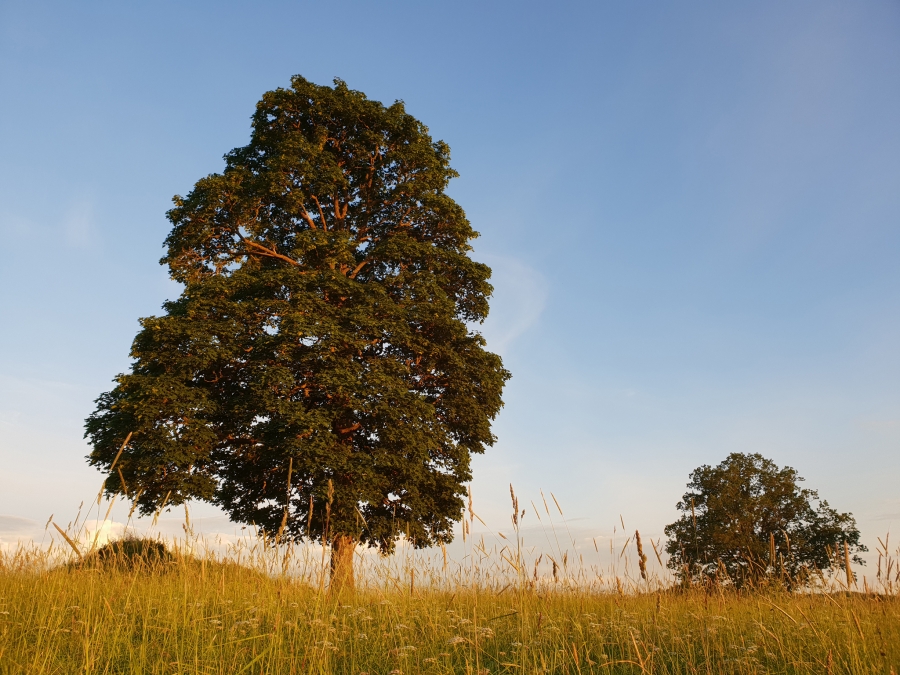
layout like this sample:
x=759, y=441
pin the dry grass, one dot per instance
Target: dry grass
x=253, y=609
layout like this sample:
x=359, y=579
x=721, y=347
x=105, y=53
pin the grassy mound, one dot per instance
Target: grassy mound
x=130, y=553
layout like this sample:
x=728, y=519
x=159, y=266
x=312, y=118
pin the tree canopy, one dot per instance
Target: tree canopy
x=318, y=376
x=747, y=520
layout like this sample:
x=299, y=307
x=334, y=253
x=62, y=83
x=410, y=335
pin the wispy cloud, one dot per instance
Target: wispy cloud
x=520, y=295
x=74, y=226
x=11, y=524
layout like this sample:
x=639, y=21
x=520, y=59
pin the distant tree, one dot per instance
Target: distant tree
x=747, y=521
x=318, y=376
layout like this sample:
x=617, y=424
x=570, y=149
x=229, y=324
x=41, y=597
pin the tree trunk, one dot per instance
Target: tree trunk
x=343, y=547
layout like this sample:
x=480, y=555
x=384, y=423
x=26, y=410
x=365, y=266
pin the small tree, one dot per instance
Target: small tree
x=317, y=376
x=746, y=521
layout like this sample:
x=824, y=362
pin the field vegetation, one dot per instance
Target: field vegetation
x=191, y=607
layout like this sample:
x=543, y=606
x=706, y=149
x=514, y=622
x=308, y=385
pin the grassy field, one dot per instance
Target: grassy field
x=204, y=614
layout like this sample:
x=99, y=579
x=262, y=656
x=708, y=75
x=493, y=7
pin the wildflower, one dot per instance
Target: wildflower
x=430, y=659
x=396, y=672
x=362, y=636
x=486, y=632
x=456, y=639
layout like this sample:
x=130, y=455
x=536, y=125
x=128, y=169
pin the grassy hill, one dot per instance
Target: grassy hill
x=180, y=613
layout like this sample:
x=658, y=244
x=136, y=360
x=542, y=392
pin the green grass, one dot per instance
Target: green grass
x=200, y=614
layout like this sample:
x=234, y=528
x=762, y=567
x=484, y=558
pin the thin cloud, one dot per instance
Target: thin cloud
x=520, y=295
x=15, y=524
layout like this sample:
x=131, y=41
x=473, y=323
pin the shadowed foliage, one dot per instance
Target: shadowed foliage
x=318, y=376
x=130, y=553
x=747, y=521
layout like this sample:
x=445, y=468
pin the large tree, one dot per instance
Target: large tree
x=748, y=521
x=319, y=376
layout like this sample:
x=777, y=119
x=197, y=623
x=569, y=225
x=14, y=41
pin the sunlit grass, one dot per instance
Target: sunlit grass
x=198, y=606
x=203, y=613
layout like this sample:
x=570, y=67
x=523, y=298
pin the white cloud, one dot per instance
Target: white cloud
x=16, y=531
x=12, y=524
x=99, y=532
x=520, y=295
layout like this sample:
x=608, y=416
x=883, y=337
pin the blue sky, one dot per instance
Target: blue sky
x=691, y=210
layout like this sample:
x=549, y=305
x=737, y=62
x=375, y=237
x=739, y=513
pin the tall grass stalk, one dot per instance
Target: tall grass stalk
x=253, y=608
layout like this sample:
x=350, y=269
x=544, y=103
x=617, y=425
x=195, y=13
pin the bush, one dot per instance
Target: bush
x=130, y=553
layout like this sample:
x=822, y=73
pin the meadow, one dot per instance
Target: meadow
x=253, y=608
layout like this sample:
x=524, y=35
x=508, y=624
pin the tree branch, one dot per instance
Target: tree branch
x=308, y=218
x=269, y=253
x=321, y=212
x=339, y=213
x=358, y=269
